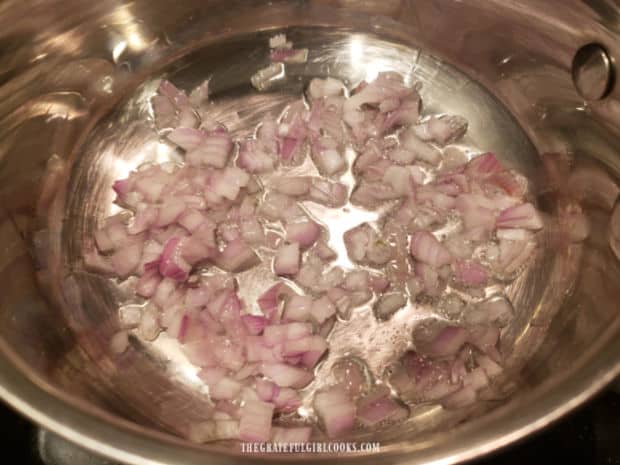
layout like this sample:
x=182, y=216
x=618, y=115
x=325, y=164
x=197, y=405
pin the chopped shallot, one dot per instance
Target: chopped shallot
x=336, y=411
x=442, y=130
x=389, y=303
x=426, y=248
x=378, y=407
x=437, y=227
x=287, y=259
x=291, y=435
x=255, y=423
x=520, y=216
x=304, y=233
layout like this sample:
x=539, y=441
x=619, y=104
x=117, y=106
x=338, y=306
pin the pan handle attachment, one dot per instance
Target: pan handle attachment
x=593, y=72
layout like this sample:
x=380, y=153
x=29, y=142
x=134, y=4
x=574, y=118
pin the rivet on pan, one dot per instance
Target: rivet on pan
x=593, y=72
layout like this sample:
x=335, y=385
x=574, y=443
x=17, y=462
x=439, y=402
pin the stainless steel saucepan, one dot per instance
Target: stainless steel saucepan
x=535, y=79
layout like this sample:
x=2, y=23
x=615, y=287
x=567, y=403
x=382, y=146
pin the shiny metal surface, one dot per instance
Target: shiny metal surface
x=73, y=117
x=114, y=149
x=53, y=450
x=593, y=72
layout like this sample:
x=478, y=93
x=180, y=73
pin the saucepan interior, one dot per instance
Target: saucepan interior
x=75, y=117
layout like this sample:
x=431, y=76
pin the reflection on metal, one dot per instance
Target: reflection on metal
x=53, y=450
x=118, y=50
x=62, y=92
x=593, y=72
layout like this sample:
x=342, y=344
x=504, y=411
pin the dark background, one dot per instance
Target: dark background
x=589, y=436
